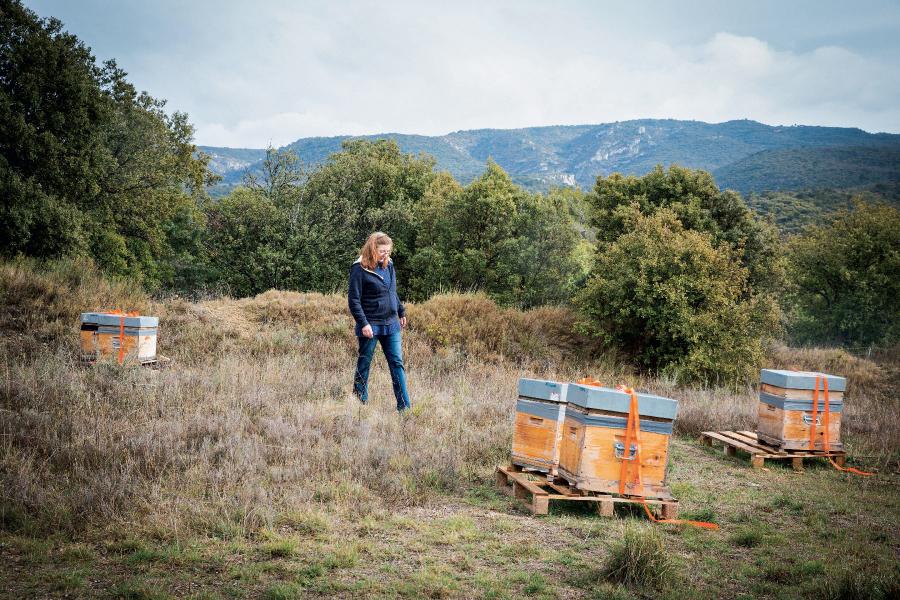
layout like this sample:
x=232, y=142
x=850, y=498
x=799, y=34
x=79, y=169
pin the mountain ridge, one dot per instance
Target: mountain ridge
x=549, y=155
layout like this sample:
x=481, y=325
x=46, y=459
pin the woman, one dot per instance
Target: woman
x=379, y=315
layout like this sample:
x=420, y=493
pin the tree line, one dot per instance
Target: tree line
x=680, y=276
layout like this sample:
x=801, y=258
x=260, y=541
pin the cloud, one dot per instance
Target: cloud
x=278, y=130
x=249, y=75
x=506, y=83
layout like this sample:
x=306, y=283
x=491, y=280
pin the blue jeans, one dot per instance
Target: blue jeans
x=393, y=352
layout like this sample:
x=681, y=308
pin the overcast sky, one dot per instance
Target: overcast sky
x=271, y=71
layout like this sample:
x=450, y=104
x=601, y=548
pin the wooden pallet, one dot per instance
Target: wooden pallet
x=759, y=451
x=536, y=491
x=160, y=362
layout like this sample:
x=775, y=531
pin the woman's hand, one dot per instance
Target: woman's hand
x=367, y=331
x=402, y=322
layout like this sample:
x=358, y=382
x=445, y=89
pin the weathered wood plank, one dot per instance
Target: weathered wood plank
x=759, y=449
x=537, y=500
x=730, y=441
x=760, y=452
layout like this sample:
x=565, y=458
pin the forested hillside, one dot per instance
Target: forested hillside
x=834, y=167
x=739, y=153
x=791, y=211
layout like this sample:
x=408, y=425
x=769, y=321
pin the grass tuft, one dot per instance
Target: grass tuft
x=283, y=591
x=853, y=585
x=640, y=559
x=783, y=501
x=137, y=590
x=280, y=548
x=748, y=536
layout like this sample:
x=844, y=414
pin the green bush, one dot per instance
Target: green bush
x=844, y=276
x=492, y=236
x=698, y=205
x=685, y=278
x=246, y=242
x=677, y=303
x=89, y=166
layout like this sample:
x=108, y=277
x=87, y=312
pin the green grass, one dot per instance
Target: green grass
x=68, y=581
x=640, y=559
x=848, y=585
x=283, y=591
x=137, y=589
x=748, y=536
x=787, y=503
x=706, y=514
x=770, y=546
x=280, y=548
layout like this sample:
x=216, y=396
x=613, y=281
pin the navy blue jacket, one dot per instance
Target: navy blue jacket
x=373, y=300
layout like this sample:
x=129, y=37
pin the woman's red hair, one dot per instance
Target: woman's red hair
x=369, y=252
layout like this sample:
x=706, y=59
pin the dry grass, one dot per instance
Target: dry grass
x=255, y=421
x=872, y=400
x=38, y=312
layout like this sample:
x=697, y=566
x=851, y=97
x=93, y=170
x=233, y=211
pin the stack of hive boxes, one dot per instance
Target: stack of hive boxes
x=540, y=411
x=593, y=445
x=578, y=432
x=103, y=334
x=788, y=418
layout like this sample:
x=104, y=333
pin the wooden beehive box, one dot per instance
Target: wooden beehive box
x=593, y=444
x=103, y=333
x=785, y=409
x=540, y=411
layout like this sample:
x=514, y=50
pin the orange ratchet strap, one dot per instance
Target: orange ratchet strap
x=826, y=441
x=122, y=316
x=633, y=431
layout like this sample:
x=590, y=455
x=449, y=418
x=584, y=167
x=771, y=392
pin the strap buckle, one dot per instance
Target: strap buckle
x=619, y=450
x=809, y=420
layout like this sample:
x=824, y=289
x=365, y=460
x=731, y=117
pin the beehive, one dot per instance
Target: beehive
x=786, y=409
x=540, y=411
x=593, y=440
x=103, y=333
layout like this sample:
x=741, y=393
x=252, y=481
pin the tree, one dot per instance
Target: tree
x=685, y=278
x=246, y=242
x=846, y=278
x=551, y=255
x=494, y=236
x=87, y=164
x=428, y=271
x=281, y=180
x=673, y=300
x=481, y=228
x=698, y=204
x=380, y=186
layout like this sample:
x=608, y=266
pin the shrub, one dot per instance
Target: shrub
x=476, y=326
x=677, y=304
x=695, y=201
x=845, y=278
x=40, y=303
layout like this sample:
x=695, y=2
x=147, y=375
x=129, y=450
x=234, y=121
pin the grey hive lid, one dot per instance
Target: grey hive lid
x=801, y=380
x=110, y=319
x=540, y=389
x=601, y=398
